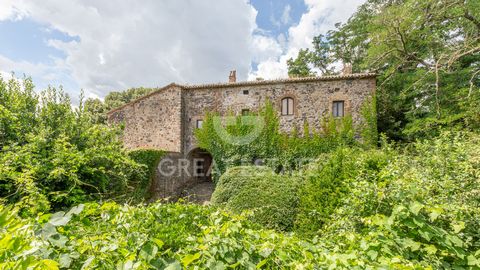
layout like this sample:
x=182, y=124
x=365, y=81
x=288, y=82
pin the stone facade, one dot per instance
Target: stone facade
x=166, y=119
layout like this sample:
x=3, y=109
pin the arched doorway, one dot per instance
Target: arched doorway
x=200, y=185
x=200, y=163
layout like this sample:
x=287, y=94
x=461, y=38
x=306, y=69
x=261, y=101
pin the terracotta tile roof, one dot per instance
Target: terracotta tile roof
x=250, y=83
x=288, y=80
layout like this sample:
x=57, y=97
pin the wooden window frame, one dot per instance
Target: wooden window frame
x=335, y=108
x=289, y=102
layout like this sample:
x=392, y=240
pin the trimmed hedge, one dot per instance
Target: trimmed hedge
x=272, y=197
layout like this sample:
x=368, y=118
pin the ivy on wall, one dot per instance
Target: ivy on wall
x=283, y=152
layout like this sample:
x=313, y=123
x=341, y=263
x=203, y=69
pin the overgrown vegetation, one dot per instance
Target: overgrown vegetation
x=413, y=209
x=329, y=199
x=257, y=139
x=52, y=156
x=149, y=158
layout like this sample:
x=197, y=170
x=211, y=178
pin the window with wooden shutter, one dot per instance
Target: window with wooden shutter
x=287, y=106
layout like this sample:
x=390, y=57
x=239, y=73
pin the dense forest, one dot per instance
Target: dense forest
x=399, y=191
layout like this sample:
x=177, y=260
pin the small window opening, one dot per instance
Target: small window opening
x=287, y=106
x=245, y=92
x=245, y=112
x=199, y=123
x=338, y=109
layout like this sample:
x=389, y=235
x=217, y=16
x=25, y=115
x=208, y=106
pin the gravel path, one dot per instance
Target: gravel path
x=200, y=193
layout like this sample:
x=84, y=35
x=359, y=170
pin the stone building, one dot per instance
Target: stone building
x=166, y=118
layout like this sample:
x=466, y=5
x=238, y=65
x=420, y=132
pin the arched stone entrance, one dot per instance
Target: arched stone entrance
x=200, y=187
x=200, y=162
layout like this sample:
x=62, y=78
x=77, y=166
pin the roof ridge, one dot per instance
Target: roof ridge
x=248, y=83
x=144, y=97
x=281, y=80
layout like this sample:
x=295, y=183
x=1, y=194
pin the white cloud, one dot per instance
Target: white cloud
x=124, y=43
x=265, y=48
x=30, y=69
x=9, y=11
x=320, y=17
x=286, y=14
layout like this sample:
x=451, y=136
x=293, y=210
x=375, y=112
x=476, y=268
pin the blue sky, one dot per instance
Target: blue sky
x=114, y=45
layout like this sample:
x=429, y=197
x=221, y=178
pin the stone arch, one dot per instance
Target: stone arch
x=295, y=103
x=200, y=165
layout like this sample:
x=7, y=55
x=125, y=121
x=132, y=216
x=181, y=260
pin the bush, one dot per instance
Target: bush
x=150, y=158
x=272, y=197
x=52, y=156
x=421, y=204
x=327, y=182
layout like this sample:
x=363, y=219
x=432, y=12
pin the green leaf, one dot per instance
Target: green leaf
x=188, y=259
x=435, y=213
x=261, y=263
x=415, y=207
x=59, y=219
x=472, y=261
x=50, y=264
x=458, y=226
x=174, y=266
x=158, y=242
x=65, y=260
x=430, y=249
x=76, y=210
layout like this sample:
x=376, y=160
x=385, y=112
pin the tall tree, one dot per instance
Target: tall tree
x=426, y=53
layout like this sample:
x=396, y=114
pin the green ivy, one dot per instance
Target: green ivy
x=280, y=151
x=150, y=159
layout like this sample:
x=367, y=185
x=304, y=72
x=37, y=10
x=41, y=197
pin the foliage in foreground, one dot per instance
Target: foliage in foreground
x=273, y=197
x=52, y=156
x=160, y=236
x=419, y=203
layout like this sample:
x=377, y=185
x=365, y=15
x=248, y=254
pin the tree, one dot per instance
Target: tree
x=426, y=53
x=52, y=155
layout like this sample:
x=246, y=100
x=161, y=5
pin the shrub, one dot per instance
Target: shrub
x=272, y=197
x=422, y=204
x=51, y=155
x=150, y=159
x=327, y=183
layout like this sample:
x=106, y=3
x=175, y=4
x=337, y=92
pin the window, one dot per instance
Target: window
x=199, y=123
x=245, y=92
x=245, y=112
x=338, y=108
x=287, y=106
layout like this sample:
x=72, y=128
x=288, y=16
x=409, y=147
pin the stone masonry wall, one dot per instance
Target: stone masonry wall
x=153, y=121
x=312, y=101
x=166, y=119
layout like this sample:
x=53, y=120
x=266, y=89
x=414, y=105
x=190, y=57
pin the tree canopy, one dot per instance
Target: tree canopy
x=426, y=53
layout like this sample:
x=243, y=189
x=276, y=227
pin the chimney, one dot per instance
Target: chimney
x=347, y=69
x=233, y=76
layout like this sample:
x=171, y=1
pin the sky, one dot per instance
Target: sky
x=103, y=46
